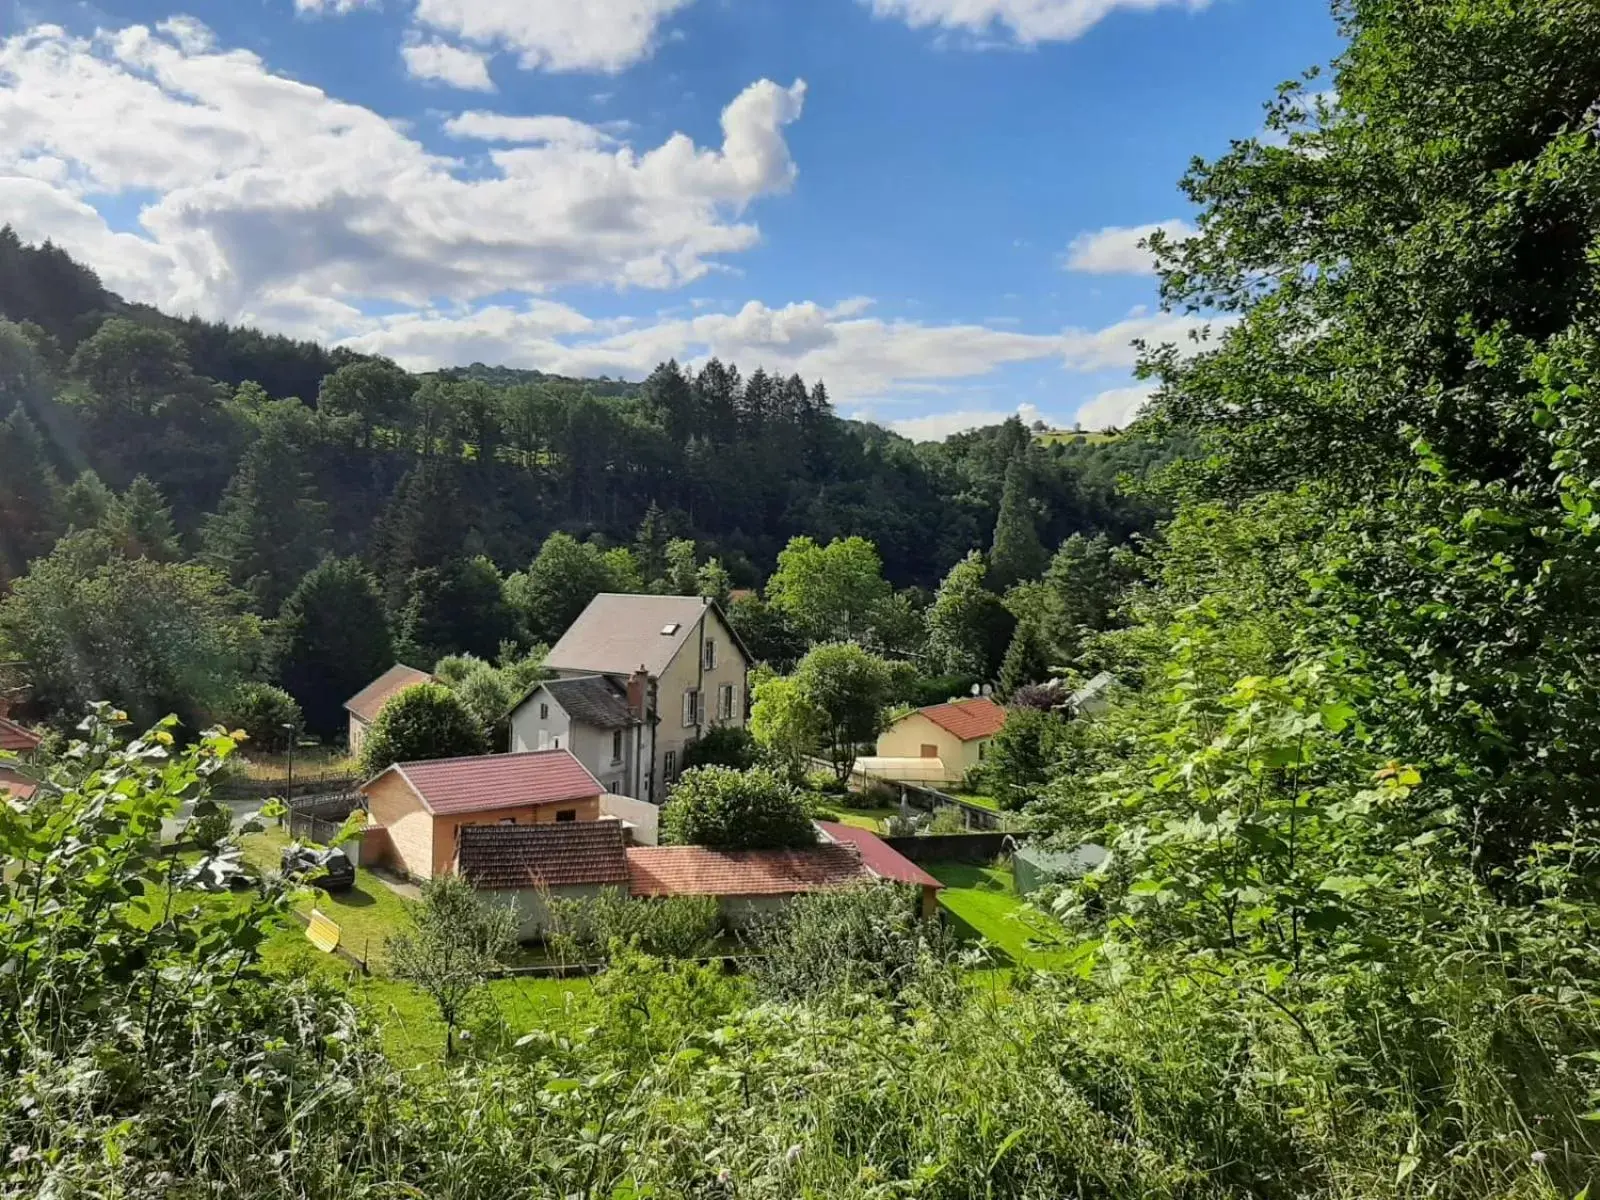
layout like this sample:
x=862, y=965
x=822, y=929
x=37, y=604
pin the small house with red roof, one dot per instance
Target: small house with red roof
x=19, y=785
x=883, y=861
x=528, y=865
x=746, y=883
x=363, y=708
x=17, y=739
x=938, y=744
x=423, y=806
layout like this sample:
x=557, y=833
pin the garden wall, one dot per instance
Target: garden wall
x=956, y=847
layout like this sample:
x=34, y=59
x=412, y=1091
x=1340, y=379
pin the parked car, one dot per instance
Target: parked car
x=330, y=870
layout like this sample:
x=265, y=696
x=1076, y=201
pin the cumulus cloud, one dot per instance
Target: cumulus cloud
x=935, y=427
x=557, y=35
x=440, y=62
x=1025, y=21
x=333, y=6
x=861, y=357
x=1117, y=249
x=271, y=196
x=1116, y=408
x=550, y=131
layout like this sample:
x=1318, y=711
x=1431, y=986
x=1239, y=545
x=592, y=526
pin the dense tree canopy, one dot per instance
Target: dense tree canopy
x=153, y=637
x=331, y=639
x=422, y=722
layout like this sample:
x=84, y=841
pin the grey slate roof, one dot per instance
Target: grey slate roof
x=1091, y=697
x=618, y=633
x=595, y=700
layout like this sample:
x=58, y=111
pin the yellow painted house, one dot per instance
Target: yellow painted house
x=938, y=744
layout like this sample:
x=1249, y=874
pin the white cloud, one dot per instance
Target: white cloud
x=1116, y=408
x=935, y=427
x=559, y=35
x=1026, y=21
x=550, y=131
x=861, y=358
x=1116, y=249
x=273, y=197
x=333, y=6
x=441, y=62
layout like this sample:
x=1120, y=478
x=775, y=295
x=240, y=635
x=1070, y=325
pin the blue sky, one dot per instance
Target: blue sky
x=906, y=198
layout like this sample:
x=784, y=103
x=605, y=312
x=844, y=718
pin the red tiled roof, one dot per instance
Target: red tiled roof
x=882, y=859
x=490, y=781
x=369, y=701
x=508, y=857
x=698, y=871
x=979, y=717
x=15, y=738
x=17, y=784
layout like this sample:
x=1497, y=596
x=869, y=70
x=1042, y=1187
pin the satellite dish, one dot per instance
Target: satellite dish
x=976, y=690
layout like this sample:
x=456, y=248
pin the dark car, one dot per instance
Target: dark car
x=329, y=870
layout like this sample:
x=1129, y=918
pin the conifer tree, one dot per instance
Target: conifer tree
x=270, y=529
x=1026, y=661
x=86, y=503
x=331, y=639
x=140, y=523
x=30, y=500
x=423, y=527
x=650, y=544
x=1017, y=553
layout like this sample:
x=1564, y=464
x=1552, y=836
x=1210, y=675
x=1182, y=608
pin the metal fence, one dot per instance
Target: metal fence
x=319, y=818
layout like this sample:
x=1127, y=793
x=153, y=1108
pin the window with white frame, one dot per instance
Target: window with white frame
x=711, y=654
x=669, y=766
x=725, y=702
x=691, y=707
x=616, y=745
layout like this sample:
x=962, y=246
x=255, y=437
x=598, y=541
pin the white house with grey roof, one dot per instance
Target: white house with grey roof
x=588, y=715
x=671, y=666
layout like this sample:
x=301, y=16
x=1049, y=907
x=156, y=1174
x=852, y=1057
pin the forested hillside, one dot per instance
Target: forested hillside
x=162, y=467
x=740, y=464
x=1345, y=941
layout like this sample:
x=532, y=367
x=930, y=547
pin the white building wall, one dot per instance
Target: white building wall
x=643, y=817
x=530, y=731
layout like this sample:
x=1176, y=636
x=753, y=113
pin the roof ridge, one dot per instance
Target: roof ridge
x=460, y=758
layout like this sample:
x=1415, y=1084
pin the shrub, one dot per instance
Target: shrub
x=904, y=825
x=878, y=794
x=1021, y=756
x=262, y=712
x=827, y=783
x=594, y=929
x=722, y=746
x=422, y=722
x=865, y=938
x=736, y=810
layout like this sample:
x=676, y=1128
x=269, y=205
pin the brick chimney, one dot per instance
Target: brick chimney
x=638, y=692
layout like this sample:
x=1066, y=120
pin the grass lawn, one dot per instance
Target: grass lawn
x=1072, y=435
x=984, y=903
x=866, y=818
x=366, y=915
x=977, y=798
x=309, y=761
